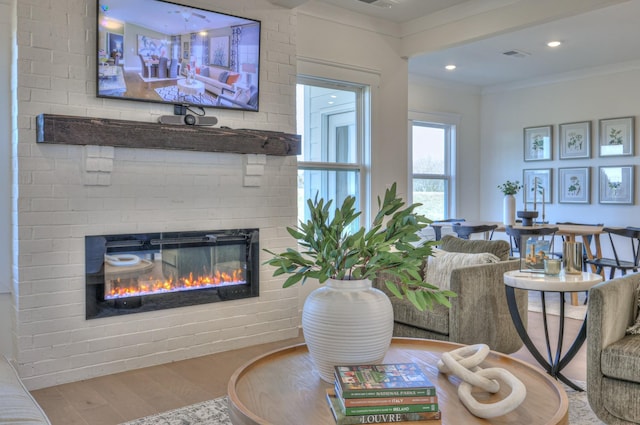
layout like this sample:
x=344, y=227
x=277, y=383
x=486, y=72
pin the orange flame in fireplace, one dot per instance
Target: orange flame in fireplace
x=122, y=288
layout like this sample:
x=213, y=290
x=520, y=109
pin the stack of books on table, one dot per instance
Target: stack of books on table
x=384, y=393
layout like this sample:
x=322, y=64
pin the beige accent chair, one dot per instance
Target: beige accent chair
x=613, y=357
x=479, y=314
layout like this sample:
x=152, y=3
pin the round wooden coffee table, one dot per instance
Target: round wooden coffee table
x=282, y=387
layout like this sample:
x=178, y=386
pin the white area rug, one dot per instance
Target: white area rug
x=155, y=79
x=214, y=412
x=170, y=94
x=210, y=412
x=552, y=301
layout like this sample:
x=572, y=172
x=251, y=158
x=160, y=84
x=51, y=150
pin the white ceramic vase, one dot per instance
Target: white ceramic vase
x=346, y=322
x=509, y=210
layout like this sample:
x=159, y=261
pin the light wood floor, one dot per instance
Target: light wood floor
x=126, y=396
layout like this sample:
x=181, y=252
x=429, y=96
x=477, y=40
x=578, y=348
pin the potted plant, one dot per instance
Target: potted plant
x=346, y=321
x=509, y=189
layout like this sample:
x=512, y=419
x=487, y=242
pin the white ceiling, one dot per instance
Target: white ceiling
x=599, y=38
x=401, y=11
x=167, y=18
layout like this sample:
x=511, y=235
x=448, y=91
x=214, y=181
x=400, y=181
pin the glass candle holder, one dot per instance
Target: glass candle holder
x=552, y=266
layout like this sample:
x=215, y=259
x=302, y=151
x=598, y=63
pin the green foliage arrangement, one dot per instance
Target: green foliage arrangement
x=330, y=251
x=509, y=187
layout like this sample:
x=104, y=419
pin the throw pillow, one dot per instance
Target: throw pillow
x=223, y=76
x=242, y=95
x=441, y=264
x=204, y=71
x=635, y=328
x=499, y=248
x=232, y=78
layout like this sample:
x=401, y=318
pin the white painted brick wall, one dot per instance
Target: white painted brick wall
x=67, y=192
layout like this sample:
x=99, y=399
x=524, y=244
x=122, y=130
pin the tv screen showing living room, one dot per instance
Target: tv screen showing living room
x=157, y=51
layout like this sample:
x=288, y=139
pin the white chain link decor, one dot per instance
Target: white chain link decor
x=464, y=363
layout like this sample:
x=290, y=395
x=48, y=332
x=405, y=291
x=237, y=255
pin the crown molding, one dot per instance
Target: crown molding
x=564, y=77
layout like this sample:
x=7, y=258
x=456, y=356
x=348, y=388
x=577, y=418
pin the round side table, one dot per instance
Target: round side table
x=554, y=363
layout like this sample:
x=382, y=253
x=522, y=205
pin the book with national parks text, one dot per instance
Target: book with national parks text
x=384, y=401
x=383, y=380
x=379, y=418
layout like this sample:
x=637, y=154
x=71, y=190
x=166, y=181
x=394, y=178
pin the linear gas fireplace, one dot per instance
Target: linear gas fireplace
x=132, y=273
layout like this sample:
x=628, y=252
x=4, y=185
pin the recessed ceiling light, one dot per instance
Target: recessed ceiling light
x=450, y=67
x=554, y=43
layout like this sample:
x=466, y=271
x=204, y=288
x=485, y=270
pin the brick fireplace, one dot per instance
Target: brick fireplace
x=65, y=192
x=91, y=190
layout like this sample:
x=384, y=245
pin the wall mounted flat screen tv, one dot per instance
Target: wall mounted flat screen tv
x=157, y=51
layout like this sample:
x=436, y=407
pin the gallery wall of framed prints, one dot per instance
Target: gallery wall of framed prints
x=613, y=138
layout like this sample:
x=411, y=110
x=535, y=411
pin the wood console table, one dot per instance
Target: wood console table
x=283, y=387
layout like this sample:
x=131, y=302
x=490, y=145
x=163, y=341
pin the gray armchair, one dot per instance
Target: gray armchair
x=478, y=315
x=613, y=358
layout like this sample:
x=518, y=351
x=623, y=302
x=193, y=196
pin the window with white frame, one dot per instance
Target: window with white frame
x=332, y=165
x=431, y=168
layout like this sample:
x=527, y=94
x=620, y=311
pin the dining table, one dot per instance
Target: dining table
x=570, y=232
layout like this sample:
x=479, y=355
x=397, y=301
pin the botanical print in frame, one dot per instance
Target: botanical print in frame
x=219, y=51
x=573, y=185
x=542, y=177
x=616, y=137
x=537, y=143
x=575, y=140
x=616, y=185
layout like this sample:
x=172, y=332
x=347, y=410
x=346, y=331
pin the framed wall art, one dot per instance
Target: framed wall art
x=219, y=51
x=573, y=185
x=575, y=140
x=538, y=143
x=616, y=137
x=537, y=186
x=116, y=45
x=616, y=184
x=534, y=251
x=186, y=52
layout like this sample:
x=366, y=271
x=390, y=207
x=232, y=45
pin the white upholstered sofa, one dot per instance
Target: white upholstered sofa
x=17, y=406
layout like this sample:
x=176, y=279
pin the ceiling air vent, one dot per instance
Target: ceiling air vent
x=380, y=3
x=516, y=53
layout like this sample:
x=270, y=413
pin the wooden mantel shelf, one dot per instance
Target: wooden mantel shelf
x=71, y=130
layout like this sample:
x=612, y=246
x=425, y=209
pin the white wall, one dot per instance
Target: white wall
x=6, y=325
x=506, y=113
x=6, y=41
x=139, y=191
x=345, y=50
x=462, y=104
x=5, y=143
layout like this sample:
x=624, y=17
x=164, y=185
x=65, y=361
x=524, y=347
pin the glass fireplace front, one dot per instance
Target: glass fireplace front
x=151, y=271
